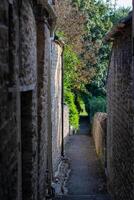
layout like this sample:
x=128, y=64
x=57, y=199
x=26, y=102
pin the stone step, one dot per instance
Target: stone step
x=83, y=197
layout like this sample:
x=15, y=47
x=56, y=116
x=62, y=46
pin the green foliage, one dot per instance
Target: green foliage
x=80, y=104
x=97, y=104
x=119, y=14
x=93, y=104
x=71, y=61
x=73, y=112
x=96, y=53
x=60, y=35
x=86, y=98
x=95, y=90
x=98, y=25
x=100, y=16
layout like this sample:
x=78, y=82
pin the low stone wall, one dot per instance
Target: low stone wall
x=99, y=135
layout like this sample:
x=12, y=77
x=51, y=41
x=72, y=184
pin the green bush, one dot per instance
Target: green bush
x=71, y=61
x=80, y=104
x=97, y=104
x=73, y=112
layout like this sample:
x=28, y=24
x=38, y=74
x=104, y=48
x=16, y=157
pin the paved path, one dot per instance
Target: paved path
x=86, y=180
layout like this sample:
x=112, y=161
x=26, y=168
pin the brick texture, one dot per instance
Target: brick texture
x=120, y=140
x=28, y=82
x=43, y=65
x=24, y=105
x=28, y=41
x=8, y=101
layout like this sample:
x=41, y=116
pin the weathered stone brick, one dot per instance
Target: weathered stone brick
x=120, y=139
x=4, y=13
x=3, y=37
x=43, y=48
x=56, y=94
x=24, y=140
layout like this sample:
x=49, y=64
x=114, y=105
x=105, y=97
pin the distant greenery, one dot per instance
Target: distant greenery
x=97, y=104
x=82, y=24
x=118, y=14
x=71, y=61
x=82, y=111
x=73, y=112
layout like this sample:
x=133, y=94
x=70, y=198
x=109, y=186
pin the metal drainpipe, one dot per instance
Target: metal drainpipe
x=62, y=101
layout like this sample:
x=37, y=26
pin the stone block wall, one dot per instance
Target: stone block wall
x=44, y=104
x=9, y=110
x=56, y=93
x=120, y=136
x=99, y=134
x=25, y=103
x=28, y=92
x=28, y=40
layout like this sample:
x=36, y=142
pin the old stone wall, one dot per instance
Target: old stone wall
x=28, y=40
x=25, y=103
x=56, y=93
x=28, y=92
x=9, y=111
x=120, y=140
x=99, y=134
x=43, y=104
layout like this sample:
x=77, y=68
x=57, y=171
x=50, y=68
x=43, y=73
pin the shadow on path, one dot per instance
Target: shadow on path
x=84, y=126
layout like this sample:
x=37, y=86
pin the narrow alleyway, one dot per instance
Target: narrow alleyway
x=86, y=178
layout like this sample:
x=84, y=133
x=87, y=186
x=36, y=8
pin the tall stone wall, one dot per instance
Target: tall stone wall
x=44, y=103
x=56, y=93
x=28, y=92
x=9, y=111
x=25, y=103
x=120, y=140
